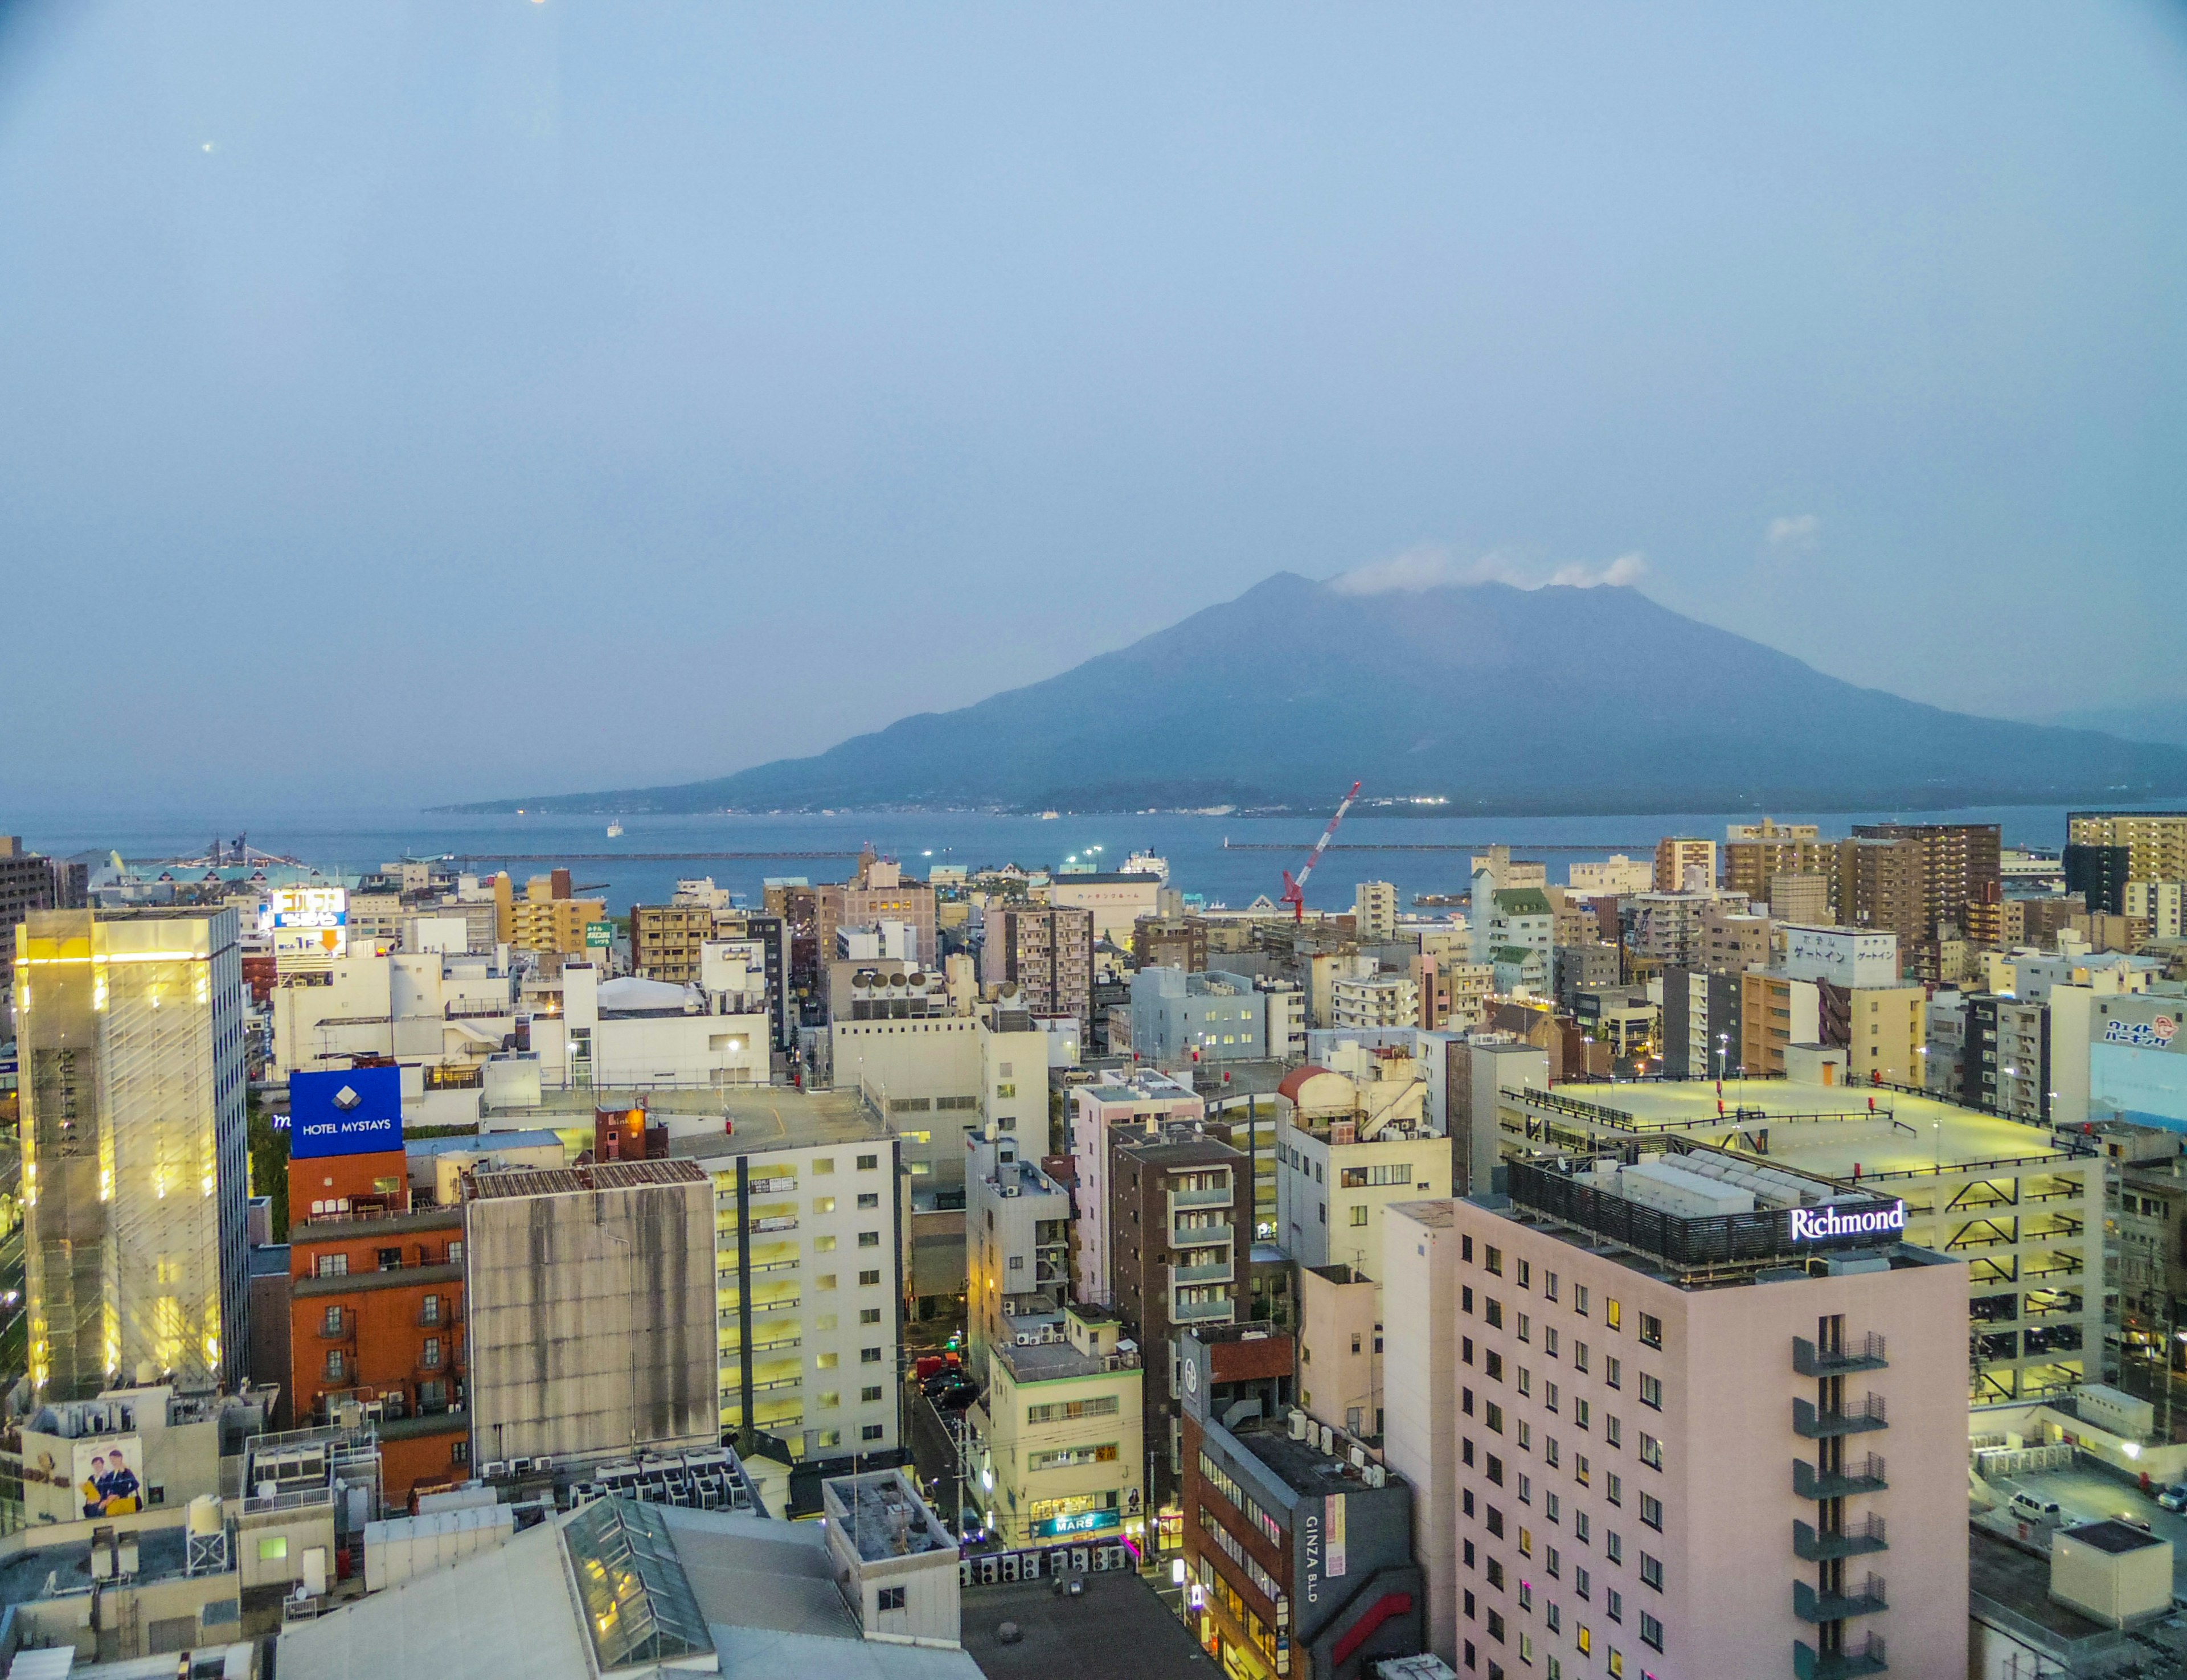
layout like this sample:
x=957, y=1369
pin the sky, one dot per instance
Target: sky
x=444, y=399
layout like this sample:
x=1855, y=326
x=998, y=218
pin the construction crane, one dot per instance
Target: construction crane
x=1295, y=890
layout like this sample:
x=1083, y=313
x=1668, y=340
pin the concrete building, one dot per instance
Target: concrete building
x=1180, y=1215
x=2025, y=1214
x=1613, y=878
x=1058, y=1440
x=1047, y=953
x=29, y=881
x=1799, y=898
x=376, y=1283
x=2161, y=904
x=1951, y=876
x=1853, y=958
x=1017, y=1242
x=1298, y=1547
x=1775, y=1011
x=1418, y=1377
x=590, y=1301
x=135, y=1172
x=1508, y=917
x=1178, y=1019
x=2155, y=841
x=1348, y=1145
x=2116, y=1056
x=1374, y=910
x=1703, y=1037
x=1733, y=940
x=2098, y=874
x=1626, y=1479
x=880, y=892
x=634, y=1034
x=546, y=917
x=440, y=1016
x=1106, y=1112
x=1340, y=1350
x=1755, y=853
x=628, y=1587
x=1368, y=1002
x=1684, y=864
x=1115, y=902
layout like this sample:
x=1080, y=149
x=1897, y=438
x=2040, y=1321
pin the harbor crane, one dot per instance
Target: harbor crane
x=1295, y=890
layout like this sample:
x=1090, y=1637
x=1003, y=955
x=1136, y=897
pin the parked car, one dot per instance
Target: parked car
x=2174, y=1497
x=2034, y=1509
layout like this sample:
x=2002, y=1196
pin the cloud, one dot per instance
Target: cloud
x=1795, y=533
x=1429, y=566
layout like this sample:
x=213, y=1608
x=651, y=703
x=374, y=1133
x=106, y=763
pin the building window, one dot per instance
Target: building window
x=866, y=1279
x=891, y=1598
x=272, y=1547
x=1651, y=1511
x=868, y=1395
x=831, y=1437
x=871, y=1432
x=823, y=1164
x=429, y=1310
x=829, y=1399
x=869, y=1239
x=333, y=1325
x=869, y=1199
x=823, y=1203
x=1651, y=1631
x=826, y=1362
x=1493, y=1261
x=824, y=1246
x=869, y=1356
x=1651, y=1451
x=430, y=1358
x=1651, y=1571
x=1359, y=1215
x=1613, y=1313
x=866, y=1164
x=869, y=1315
x=334, y=1365
x=1651, y=1330
x=331, y=1266
x=1651, y=1391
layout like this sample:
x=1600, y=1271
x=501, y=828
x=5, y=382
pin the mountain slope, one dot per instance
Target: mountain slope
x=1499, y=699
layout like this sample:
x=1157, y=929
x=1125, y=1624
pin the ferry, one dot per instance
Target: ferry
x=614, y=830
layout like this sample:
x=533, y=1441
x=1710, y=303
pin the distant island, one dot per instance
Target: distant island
x=1493, y=700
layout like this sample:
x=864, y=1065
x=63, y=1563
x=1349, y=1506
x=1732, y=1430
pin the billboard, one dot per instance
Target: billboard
x=310, y=921
x=2138, y=1062
x=355, y=1112
x=109, y=1475
x=599, y=936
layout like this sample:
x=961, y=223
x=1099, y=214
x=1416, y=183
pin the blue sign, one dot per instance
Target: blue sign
x=359, y=1112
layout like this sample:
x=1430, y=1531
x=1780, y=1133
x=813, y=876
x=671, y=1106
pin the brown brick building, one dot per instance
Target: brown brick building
x=376, y=1310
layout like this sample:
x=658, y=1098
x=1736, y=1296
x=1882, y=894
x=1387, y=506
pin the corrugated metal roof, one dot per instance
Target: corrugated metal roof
x=563, y=1181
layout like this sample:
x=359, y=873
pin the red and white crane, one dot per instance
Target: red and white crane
x=1295, y=890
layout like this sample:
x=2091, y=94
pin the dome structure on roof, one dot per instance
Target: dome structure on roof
x=1295, y=1081
x=631, y=995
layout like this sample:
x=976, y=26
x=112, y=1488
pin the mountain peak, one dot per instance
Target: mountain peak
x=1579, y=694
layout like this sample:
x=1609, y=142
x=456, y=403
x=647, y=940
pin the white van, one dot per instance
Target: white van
x=2034, y=1509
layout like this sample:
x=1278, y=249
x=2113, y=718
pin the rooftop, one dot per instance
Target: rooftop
x=1068, y=1638
x=1300, y=1465
x=782, y=1117
x=23, y=1577
x=1824, y=1129
x=1048, y=1361
x=563, y=1181
x=484, y=1142
x=887, y=1517
x=2115, y=1537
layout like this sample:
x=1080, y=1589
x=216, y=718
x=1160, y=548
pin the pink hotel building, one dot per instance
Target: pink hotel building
x=1654, y=1434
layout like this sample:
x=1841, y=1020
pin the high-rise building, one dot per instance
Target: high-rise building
x=1756, y=852
x=1639, y=1423
x=879, y=893
x=135, y=1170
x=1799, y=898
x=2155, y=841
x=1956, y=868
x=546, y=917
x=1048, y=953
x=1684, y=864
x=2100, y=873
x=1374, y=910
x=28, y=882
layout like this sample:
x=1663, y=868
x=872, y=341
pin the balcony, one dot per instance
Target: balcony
x=1201, y=1197
x=1866, y=1536
x=1864, y=1598
x=1858, y=1417
x=1200, y=1236
x=1863, y=1476
x=339, y=1325
x=1864, y=1657
x=1218, y=1272
x=1201, y=1311
x=781, y=1222
x=1865, y=1355
x=789, y=1304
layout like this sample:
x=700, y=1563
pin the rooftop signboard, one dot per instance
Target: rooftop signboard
x=356, y=1111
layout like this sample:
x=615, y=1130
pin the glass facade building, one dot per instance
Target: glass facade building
x=135, y=1164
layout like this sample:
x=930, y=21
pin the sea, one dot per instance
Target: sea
x=1224, y=860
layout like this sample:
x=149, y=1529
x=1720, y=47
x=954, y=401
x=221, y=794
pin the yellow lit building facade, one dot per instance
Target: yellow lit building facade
x=135, y=1163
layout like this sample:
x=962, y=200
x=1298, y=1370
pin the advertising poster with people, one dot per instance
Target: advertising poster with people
x=109, y=1475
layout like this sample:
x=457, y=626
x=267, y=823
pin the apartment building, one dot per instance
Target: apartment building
x=2006, y=1063
x=1298, y=1543
x=1613, y=877
x=2155, y=841
x=1106, y=1112
x=2160, y=906
x=1799, y=898
x=1519, y=916
x=1703, y=1036
x=29, y=881
x=1646, y=1430
x=1775, y=1012
x=1347, y=1147
x=880, y=892
x=1366, y=1003
x=1932, y=874
x=1017, y=1242
x=1755, y=853
x=1374, y=910
x=130, y=1030
x=546, y=916
x=1732, y=939
x=1058, y=1440
x=1684, y=864
x=1047, y=953
x=1114, y=902
x=1179, y=1018
x=1180, y=1215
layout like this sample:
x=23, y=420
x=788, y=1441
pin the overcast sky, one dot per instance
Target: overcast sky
x=445, y=399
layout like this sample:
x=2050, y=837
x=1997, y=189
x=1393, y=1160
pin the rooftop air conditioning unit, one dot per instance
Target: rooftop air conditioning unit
x=1297, y=1421
x=494, y=1467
